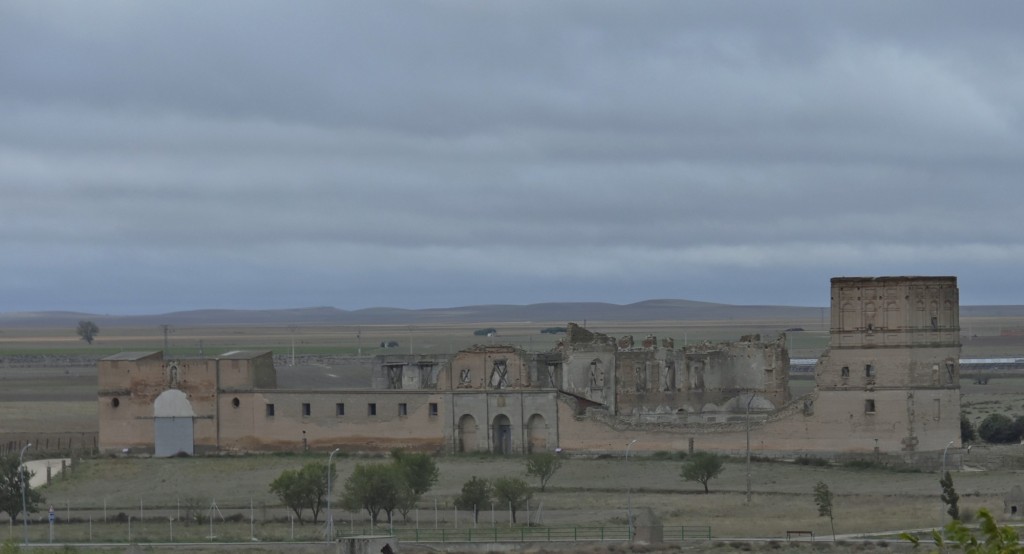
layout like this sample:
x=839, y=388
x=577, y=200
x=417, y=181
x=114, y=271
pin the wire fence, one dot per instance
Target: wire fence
x=232, y=529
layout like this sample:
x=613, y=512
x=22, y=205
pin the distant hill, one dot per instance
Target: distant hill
x=557, y=312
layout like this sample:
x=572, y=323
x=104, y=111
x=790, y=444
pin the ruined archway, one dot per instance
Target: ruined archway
x=172, y=424
x=467, y=441
x=502, y=433
x=537, y=434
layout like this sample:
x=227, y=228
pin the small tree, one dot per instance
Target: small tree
x=87, y=330
x=543, y=466
x=303, y=488
x=702, y=467
x=375, y=488
x=823, y=498
x=419, y=470
x=10, y=488
x=513, y=492
x=949, y=496
x=476, y=493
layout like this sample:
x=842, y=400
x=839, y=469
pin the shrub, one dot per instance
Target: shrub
x=810, y=461
x=967, y=433
x=998, y=428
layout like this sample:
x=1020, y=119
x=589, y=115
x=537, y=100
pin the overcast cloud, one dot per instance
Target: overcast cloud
x=162, y=156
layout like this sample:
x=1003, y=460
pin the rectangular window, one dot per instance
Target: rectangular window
x=270, y=410
x=306, y=409
x=433, y=409
x=371, y=409
x=869, y=371
x=339, y=408
x=938, y=404
x=403, y=409
x=935, y=324
x=869, y=406
x=845, y=372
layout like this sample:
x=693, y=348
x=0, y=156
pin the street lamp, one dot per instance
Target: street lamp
x=943, y=476
x=330, y=516
x=24, y=505
x=751, y=399
x=629, y=494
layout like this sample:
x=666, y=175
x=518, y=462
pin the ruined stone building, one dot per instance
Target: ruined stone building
x=888, y=383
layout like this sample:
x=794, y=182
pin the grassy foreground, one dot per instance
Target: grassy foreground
x=585, y=492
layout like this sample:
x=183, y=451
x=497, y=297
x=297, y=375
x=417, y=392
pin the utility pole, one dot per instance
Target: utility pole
x=166, y=329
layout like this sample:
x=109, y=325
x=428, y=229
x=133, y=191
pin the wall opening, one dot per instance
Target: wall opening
x=403, y=409
x=115, y=402
x=307, y=410
x=270, y=410
x=869, y=406
x=502, y=433
x=537, y=434
x=339, y=409
x=433, y=409
x=235, y=402
x=467, y=434
x=371, y=409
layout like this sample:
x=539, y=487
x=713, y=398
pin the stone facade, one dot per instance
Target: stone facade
x=888, y=383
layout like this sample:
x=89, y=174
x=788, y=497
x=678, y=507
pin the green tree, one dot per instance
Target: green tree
x=419, y=470
x=10, y=488
x=543, y=466
x=376, y=488
x=949, y=496
x=823, y=498
x=703, y=467
x=512, y=492
x=997, y=540
x=87, y=330
x=299, y=489
x=998, y=428
x=476, y=493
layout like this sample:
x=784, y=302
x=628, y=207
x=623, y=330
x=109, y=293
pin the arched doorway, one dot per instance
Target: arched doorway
x=172, y=424
x=502, y=435
x=467, y=434
x=537, y=434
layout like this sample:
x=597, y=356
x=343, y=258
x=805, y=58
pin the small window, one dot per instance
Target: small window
x=339, y=409
x=371, y=408
x=235, y=402
x=937, y=403
x=306, y=409
x=869, y=406
x=403, y=409
x=845, y=372
x=433, y=409
x=869, y=371
x=935, y=324
x=115, y=402
x=270, y=410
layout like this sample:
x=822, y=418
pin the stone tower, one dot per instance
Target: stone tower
x=893, y=362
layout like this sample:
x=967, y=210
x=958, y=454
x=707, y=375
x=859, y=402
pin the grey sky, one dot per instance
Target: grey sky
x=160, y=156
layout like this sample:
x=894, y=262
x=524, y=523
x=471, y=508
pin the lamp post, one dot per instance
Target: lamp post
x=943, y=476
x=629, y=494
x=24, y=504
x=330, y=516
x=751, y=399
